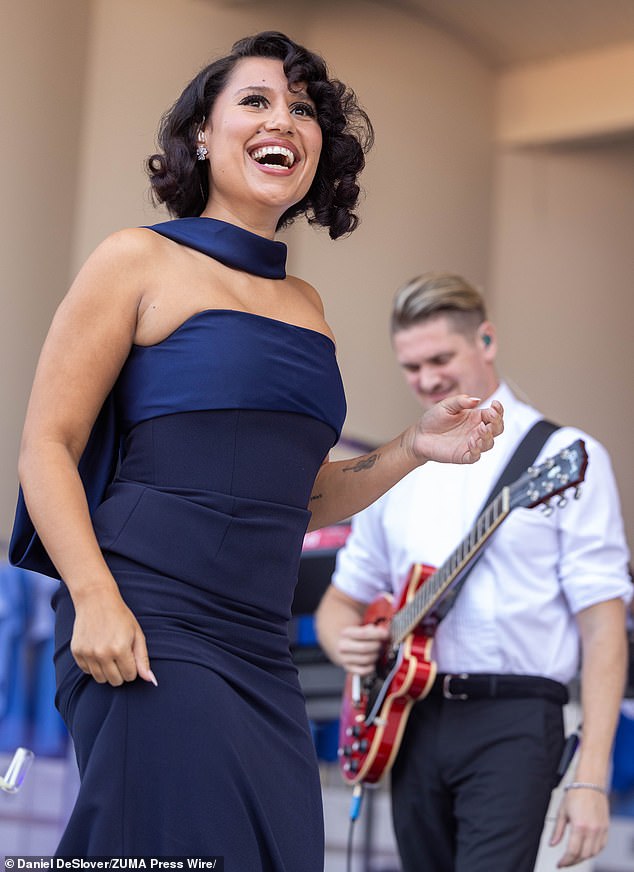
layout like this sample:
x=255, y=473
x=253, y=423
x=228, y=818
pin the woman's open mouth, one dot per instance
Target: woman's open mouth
x=274, y=156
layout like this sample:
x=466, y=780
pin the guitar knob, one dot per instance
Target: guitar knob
x=346, y=751
x=561, y=502
x=351, y=766
x=547, y=510
x=354, y=731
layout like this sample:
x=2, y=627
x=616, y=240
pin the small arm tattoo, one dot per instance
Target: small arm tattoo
x=364, y=463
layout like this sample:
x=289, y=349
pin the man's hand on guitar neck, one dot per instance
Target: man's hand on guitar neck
x=348, y=642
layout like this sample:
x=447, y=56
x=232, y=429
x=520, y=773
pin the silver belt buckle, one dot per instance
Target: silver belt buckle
x=446, y=692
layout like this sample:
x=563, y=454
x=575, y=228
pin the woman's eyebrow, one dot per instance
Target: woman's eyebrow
x=253, y=88
x=301, y=92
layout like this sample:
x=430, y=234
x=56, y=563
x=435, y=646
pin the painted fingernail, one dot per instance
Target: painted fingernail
x=153, y=678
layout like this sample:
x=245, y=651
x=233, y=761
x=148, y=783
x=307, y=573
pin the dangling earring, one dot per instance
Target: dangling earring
x=201, y=149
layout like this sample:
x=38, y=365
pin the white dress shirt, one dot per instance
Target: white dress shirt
x=515, y=613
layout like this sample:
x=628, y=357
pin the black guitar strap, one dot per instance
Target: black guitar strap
x=522, y=457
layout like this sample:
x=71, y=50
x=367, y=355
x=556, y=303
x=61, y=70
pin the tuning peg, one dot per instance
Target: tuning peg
x=578, y=491
x=561, y=502
x=547, y=509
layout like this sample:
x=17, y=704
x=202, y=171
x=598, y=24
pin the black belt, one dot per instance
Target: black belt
x=463, y=685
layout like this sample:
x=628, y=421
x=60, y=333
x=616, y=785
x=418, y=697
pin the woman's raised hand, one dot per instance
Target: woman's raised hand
x=455, y=430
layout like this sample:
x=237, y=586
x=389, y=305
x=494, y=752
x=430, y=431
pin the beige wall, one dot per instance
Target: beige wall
x=562, y=288
x=582, y=95
x=95, y=75
x=43, y=50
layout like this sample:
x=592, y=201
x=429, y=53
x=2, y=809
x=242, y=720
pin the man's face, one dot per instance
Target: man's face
x=438, y=361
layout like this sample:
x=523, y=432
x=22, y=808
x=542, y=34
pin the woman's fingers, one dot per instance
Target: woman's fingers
x=108, y=642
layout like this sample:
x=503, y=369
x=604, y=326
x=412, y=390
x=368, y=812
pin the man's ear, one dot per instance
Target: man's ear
x=487, y=336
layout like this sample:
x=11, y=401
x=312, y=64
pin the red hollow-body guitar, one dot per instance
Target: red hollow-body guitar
x=375, y=708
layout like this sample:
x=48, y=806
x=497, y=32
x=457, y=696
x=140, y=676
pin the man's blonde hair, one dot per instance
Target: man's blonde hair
x=437, y=293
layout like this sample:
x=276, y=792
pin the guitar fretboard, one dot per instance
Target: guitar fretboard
x=432, y=591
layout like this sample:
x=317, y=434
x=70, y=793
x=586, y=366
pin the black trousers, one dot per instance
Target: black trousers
x=472, y=783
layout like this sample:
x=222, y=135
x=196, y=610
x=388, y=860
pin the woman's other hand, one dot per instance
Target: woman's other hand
x=107, y=641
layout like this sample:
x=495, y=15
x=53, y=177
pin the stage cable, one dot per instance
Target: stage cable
x=355, y=811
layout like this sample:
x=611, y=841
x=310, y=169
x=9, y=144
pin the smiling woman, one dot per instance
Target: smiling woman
x=311, y=96
x=183, y=408
x=259, y=113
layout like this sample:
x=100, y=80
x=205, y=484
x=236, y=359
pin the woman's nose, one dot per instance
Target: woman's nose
x=280, y=119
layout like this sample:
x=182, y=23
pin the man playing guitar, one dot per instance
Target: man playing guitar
x=476, y=758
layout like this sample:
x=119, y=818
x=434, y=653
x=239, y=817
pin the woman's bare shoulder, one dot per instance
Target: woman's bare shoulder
x=123, y=263
x=310, y=310
x=309, y=293
x=131, y=244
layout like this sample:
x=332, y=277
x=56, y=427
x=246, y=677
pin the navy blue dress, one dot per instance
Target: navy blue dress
x=223, y=427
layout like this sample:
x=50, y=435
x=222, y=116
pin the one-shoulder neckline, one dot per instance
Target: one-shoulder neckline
x=229, y=244
x=275, y=322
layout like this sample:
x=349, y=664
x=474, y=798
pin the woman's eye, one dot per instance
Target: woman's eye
x=255, y=100
x=304, y=109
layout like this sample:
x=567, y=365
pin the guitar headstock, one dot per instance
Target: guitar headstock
x=552, y=477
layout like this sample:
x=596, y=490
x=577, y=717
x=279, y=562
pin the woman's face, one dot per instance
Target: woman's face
x=264, y=140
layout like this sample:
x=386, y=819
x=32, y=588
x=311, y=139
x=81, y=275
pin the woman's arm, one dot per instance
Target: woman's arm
x=87, y=344
x=452, y=431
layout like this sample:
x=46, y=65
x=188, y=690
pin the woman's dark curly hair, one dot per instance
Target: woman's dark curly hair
x=182, y=182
